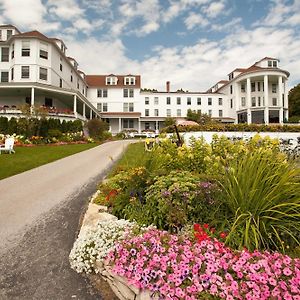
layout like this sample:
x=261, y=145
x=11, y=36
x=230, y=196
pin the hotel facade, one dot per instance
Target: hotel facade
x=35, y=70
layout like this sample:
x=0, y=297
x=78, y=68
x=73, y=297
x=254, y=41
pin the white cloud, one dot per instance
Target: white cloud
x=193, y=20
x=65, y=9
x=214, y=9
x=29, y=14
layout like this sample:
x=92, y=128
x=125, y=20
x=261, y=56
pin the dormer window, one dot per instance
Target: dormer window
x=270, y=63
x=274, y=64
x=9, y=33
x=111, y=80
x=130, y=80
x=230, y=76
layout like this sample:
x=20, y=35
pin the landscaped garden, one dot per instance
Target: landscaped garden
x=207, y=221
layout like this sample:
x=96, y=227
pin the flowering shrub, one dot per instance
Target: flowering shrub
x=174, y=267
x=93, y=244
x=174, y=200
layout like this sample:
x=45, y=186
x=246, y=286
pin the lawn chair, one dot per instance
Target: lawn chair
x=8, y=146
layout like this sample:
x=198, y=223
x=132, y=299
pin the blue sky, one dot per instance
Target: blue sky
x=192, y=43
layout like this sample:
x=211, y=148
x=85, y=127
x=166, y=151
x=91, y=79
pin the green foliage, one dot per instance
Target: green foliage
x=262, y=193
x=3, y=124
x=169, y=121
x=174, y=200
x=219, y=127
x=97, y=128
x=294, y=101
x=29, y=127
x=198, y=117
x=54, y=133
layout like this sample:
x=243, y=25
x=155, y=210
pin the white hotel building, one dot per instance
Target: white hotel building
x=36, y=70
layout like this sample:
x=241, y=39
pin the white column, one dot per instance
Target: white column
x=84, y=111
x=120, y=124
x=237, y=99
x=91, y=114
x=266, y=99
x=75, y=106
x=280, y=92
x=249, y=119
x=32, y=100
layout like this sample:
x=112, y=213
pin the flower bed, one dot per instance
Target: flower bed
x=160, y=265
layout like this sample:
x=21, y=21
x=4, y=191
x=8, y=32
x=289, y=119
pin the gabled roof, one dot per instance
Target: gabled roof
x=9, y=26
x=100, y=81
x=267, y=58
x=33, y=33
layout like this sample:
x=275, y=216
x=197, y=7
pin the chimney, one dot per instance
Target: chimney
x=168, y=86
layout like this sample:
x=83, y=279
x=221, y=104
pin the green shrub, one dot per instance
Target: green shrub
x=54, y=133
x=96, y=128
x=174, y=200
x=3, y=125
x=262, y=192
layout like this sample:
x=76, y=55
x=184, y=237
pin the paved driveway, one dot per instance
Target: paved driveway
x=39, y=215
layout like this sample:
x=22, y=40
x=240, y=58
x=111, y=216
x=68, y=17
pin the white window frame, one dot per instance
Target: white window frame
x=129, y=80
x=111, y=80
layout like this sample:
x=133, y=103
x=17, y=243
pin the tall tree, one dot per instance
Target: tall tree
x=294, y=101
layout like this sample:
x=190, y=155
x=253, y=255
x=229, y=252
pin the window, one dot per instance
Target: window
x=253, y=101
x=128, y=107
x=128, y=123
x=274, y=88
x=4, y=54
x=156, y=112
x=25, y=48
x=0, y=35
x=102, y=93
x=147, y=112
x=146, y=100
x=129, y=80
x=269, y=63
x=4, y=76
x=168, y=100
x=168, y=112
x=178, y=112
x=198, y=101
x=243, y=88
x=178, y=100
x=220, y=113
x=48, y=102
x=199, y=111
x=12, y=74
x=104, y=107
x=274, y=101
x=147, y=125
x=43, y=74
x=220, y=101
x=9, y=33
x=252, y=86
x=60, y=67
x=209, y=101
x=156, y=100
x=25, y=72
x=12, y=51
x=60, y=83
x=258, y=101
x=99, y=106
x=258, y=86
x=275, y=64
x=243, y=101
x=231, y=89
x=43, y=50
x=77, y=84
x=111, y=80
x=210, y=112
x=189, y=101
x=231, y=103
x=128, y=93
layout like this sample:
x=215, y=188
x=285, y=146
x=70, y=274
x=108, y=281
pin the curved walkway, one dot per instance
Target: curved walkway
x=39, y=215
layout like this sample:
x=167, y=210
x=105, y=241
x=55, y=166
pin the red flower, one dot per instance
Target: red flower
x=206, y=226
x=197, y=227
x=223, y=235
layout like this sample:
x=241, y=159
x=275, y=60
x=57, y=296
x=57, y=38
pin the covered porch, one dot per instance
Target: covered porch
x=44, y=100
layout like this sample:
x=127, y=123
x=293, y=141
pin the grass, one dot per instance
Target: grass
x=27, y=158
x=134, y=156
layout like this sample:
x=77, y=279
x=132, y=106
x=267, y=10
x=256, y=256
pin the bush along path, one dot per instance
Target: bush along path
x=226, y=219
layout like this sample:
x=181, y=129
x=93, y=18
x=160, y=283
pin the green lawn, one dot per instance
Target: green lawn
x=27, y=158
x=134, y=156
